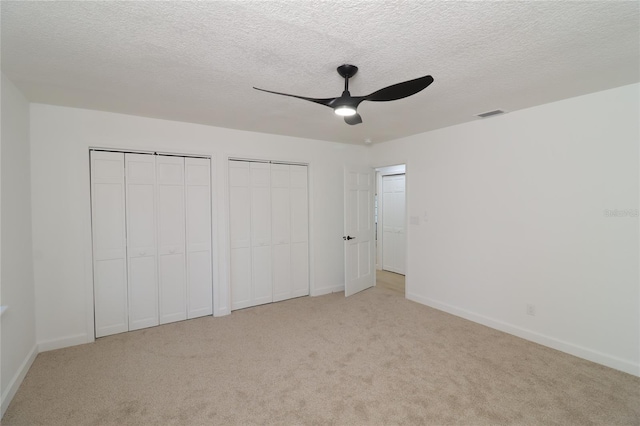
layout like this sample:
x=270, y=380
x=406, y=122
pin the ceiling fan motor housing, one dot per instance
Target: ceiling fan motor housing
x=347, y=70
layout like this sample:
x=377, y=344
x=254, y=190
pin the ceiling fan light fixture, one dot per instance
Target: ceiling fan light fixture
x=345, y=110
x=346, y=105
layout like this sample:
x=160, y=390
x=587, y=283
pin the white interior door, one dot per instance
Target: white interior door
x=198, y=218
x=109, y=243
x=393, y=223
x=359, y=189
x=141, y=240
x=171, y=239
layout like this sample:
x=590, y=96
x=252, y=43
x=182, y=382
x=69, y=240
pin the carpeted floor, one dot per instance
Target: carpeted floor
x=372, y=359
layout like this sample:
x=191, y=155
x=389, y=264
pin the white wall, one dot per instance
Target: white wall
x=511, y=212
x=18, y=322
x=60, y=140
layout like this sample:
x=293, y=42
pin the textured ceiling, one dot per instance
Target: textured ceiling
x=197, y=61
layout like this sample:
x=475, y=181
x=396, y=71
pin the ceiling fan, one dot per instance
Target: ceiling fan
x=347, y=105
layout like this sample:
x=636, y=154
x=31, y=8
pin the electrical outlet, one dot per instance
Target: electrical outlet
x=531, y=309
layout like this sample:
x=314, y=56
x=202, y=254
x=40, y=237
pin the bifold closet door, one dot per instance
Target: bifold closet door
x=240, y=234
x=290, y=248
x=198, y=213
x=171, y=238
x=262, y=290
x=250, y=233
x=151, y=224
x=281, y=229
x=269, y=225
x=141, y=240
x=109, y=243
x=299, y=230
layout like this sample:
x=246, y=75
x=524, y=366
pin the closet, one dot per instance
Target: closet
x=269, y=232
x=151, y=231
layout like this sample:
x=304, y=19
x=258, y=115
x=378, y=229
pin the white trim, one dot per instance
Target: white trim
x=17, y=379
x=64, y=342
x=551, y=342
x=310, y=230
x=150, y=152
x=88, y=251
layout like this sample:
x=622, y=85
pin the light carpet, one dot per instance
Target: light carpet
x=371, y=359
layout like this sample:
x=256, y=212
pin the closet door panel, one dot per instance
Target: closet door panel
x=171, y=239
x=299, y=231
x=281, y=272
x=281, y=231
x=198, y=214
x=110, y=287
x=141, y=242
x=299, y=204
x=240, y=278
x=300, y=269
x=240, y=234
x=261, y=271
x=280, y=204
x=200, y=294
x=143, y=293
x=260, y=204
x=262, y=288
x=172, y=290
x=239, y=204
x=109, y=243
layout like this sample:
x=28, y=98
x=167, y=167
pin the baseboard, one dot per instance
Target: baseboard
x=16, y=381
x=552, y=342
x=49, y=345
x=327, y=290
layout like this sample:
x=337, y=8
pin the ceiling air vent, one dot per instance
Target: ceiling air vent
x=490, y=113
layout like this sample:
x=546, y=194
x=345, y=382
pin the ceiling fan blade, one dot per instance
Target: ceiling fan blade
x=326, y=102
x=353, y=119
x=400, y=90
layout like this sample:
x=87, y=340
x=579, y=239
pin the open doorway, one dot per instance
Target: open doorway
x=390, y=218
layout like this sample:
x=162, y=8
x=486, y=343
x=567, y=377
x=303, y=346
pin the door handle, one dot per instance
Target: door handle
x=348, y=237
